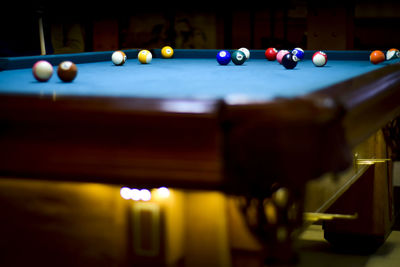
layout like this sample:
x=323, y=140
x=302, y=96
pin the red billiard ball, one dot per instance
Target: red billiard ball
x=67, y=71
x=271, y=53
x=377, y=57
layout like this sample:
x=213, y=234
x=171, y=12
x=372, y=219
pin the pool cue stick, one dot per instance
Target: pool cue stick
x=41, y=37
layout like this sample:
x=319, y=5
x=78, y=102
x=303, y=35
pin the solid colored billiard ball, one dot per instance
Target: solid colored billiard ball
x=288, y=61
x=118, y=58
x=223, y=57
x=145, y=56
x=298, y=53
x=246, y=52
x=377, y=57
x=67, y=71
x=42, y=70
x=392, y=53
x=271, y=53
x=319, y=59
x=238, y=57
x=167, y=52
x=280, y=55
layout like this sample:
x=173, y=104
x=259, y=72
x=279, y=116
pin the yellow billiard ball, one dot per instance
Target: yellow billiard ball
x=167, y=52
x=145, y=56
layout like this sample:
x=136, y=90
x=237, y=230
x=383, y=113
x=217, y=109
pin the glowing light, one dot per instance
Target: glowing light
x=371, y=161
x=125, y=193
x=145, y=195
x=136, y=195
x=163, y=192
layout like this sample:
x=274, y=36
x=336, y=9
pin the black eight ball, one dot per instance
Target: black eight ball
x=289, y=62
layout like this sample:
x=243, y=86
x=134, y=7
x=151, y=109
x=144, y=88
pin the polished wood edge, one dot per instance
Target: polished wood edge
x=368, y=101
x=276, y=141
x=112, y=140
x=345, y=114
x=115, y=105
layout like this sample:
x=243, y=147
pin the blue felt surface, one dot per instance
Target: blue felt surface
x=257, y=79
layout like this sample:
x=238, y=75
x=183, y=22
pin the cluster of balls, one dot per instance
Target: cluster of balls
x=144, y=56
x=378, y=56
x=289, y=59
x=238, y=57
x=42, y=71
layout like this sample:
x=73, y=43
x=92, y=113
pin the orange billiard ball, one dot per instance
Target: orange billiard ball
x=377, y=57
x=67, y=71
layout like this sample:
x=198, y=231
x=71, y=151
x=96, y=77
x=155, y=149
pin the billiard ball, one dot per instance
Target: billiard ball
x=145, y=56
x=118, y=58
x=238, y=57
x=223, y=57
x=67, y=71
x=167, y=52
x=246, y=52
x=271, y=53
x=280, y=55
x=319, y=59
x=288, y=61
x=377, y=57
x=392, y=53
x=42, y=70
x=298, y=53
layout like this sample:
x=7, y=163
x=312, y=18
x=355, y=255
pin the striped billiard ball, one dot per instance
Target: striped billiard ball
x=118, y=58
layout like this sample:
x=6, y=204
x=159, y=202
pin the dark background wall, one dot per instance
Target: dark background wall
x=130, y=24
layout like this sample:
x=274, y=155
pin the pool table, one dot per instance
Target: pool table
x=189, y=122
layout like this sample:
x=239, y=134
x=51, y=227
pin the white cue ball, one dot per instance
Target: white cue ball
x=42, y=70
x=118, y=58
x=246, y=52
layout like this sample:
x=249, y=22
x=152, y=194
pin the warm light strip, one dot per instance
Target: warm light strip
x=313, y=217
x=371, y=161
x=144, y=194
